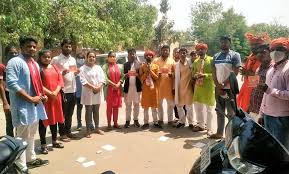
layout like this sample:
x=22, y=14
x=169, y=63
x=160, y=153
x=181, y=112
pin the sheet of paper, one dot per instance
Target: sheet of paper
x=99, y=152
x=73, y=68
x=88, y=164
x=108, y=147
x=81, y=159
x=163, y=138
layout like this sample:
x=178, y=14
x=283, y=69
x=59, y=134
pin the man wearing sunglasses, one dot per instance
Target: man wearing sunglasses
x=274, y=108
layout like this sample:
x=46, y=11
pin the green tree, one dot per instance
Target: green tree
x=103, y=24
x=274, y=30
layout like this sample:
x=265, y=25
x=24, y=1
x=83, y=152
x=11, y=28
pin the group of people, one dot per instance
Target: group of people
x=42, y=92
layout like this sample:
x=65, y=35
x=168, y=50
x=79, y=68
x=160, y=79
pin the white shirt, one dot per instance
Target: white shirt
x=95, y=76
x=63, y=63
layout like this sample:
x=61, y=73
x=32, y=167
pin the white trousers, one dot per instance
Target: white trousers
x=27, y=133
x=128, y=110
x=170, y=110
x=154, y=115
x=204, y=112
x=189, y=115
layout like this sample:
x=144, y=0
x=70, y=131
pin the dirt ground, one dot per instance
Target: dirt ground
x=136, y=151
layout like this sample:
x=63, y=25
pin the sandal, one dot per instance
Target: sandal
x=37, y=163
x=57, y=145
x=88, y=135
x=44, y=150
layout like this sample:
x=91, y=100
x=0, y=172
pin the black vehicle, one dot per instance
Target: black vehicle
x=247, y=149
x=10, y=150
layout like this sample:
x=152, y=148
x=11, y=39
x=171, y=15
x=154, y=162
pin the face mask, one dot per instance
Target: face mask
x=277, y=56
x=80, y=61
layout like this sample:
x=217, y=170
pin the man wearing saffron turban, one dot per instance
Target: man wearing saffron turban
x=249, y=70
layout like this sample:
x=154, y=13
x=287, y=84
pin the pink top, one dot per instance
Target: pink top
x=276, y=99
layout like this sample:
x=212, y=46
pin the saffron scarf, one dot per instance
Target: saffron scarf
x=35, y=77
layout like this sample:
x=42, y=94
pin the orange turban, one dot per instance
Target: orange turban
x=201, y=46
x=149, y=53
x=280, y=42
x=259, y=39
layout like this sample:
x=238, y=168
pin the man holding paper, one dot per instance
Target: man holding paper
x=165, y=84
x=67, y=65
x=132, y=87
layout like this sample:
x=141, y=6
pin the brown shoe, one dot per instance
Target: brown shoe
x=216, y=136
x=64, y=138
x=198, y=129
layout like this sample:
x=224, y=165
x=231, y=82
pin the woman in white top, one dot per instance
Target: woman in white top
x=92, y=79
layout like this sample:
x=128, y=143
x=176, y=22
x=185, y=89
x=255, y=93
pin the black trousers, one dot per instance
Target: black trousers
x=79, y=107
x=42, y=132
x=176, y=112
x=68, y=104
x=8, y=117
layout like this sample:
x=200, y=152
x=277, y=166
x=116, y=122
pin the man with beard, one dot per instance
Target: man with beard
x=224, y=63
x=67, y=65
x=183, y=89
x=204, y=94
x=26, y=97
x=263, y=55
x=274, y=108
x=165, y=84
x=249, y=69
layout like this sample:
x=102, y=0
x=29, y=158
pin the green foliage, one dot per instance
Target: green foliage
x=210, y=21
x=103, y=24
x=164, y=7
x=274, y=30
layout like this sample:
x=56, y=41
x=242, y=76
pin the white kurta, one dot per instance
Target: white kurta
x=95, y=76
x=132, y=95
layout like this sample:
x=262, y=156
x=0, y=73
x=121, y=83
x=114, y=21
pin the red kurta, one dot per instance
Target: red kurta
x=243, y=99
x=51, y=79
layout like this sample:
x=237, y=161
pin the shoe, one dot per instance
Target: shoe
x=88, y=135
x=180, y=125
x=57, y=145
x=97, y=131
x=198, y=129
x=176, y=120
x=136, y=123
x=216, y=136
x=171, y=123
x=127, y=124
x=156, y=125
x=64, y=138
x=72, y=136
x=44, y=149
x=116, y=126
x=145, y=126
x=191, y=127
x=92, y=128
x=79, y=127
x=25, y=171
x=161, y=122
x=37, y=163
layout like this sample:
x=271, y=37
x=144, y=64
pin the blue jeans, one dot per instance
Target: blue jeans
x=279, y=127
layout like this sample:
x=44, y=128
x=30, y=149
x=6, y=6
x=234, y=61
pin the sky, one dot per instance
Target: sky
x=255, y=11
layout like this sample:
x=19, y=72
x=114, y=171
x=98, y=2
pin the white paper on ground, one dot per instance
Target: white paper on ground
x=108, y=147
x=198, y=145
x=49, y=145
x=88, y=164
x=99, y=152
x=81, y=159
x=163, y=138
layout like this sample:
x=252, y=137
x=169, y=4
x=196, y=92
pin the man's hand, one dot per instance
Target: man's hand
x=36, y=99
x=65, y=72
x=76, y=72
x=96, y=89
x=264, y=87
x=44, y=98
x=261, y=121
x=6, y=108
